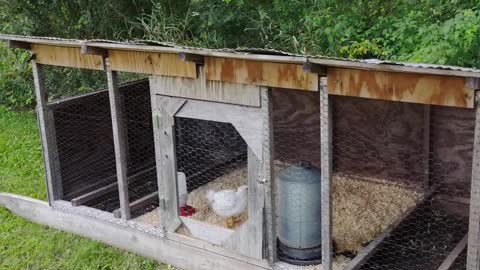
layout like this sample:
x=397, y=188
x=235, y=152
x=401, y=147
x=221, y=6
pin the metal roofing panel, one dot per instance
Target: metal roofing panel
x=259, y=54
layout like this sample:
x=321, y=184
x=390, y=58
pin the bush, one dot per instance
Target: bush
x=16, y=82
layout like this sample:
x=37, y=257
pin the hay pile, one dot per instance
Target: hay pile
x=362, y=209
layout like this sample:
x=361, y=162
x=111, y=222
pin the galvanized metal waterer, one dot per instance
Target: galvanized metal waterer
x=299, y=196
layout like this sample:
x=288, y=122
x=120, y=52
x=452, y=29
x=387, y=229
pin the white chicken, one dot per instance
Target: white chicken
x=229, y=203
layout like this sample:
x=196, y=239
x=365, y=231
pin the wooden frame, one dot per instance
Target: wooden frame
x=202, y=89
x=47, y=135
x=423, y=89
x=248, y=240
x=326, y=168
x=119, y=140
x=473, y=259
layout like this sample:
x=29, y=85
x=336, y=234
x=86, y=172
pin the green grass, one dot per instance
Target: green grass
x=25, y=245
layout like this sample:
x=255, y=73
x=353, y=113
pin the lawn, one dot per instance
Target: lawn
x=25, y=245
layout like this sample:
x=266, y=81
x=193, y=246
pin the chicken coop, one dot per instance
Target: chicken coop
x=259, y=159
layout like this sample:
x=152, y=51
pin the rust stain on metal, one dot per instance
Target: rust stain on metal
x=415, y=88
x=281, y=75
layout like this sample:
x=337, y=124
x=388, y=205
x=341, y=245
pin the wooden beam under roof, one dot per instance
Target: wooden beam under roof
x=281, y=75
x=405, y=87
x=66, y=57
x=90, y=57
x=151, y=63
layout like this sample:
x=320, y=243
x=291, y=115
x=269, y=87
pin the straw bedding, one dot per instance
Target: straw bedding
x=362, y=208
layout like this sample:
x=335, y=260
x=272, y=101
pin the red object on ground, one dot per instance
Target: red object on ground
x=187, y=210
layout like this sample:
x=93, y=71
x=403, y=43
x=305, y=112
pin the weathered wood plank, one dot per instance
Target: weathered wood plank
x=473, y=257
x=151, y=63
x=167, y=161
x=46, y=124
x=248, y=239
x=270, y=185
x=202, y=89
x=82, y=199
x=66, y=57
x=215, y=249
x=270, y=74
x=173, y=251
x=454, y=254
x=326, y=158
x=119, y=139
x=415, y=88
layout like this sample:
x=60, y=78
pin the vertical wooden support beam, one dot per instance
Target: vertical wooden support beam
x=426, y=145
x=168, y=163
x=473, y=259
x=165, y=109
x=268, y=173
x=326, y=168
x=119, y=139
x=47, y=135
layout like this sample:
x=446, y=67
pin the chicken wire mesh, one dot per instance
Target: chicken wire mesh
x=410, y=168
x=401, y=176
x=86, y=156
x=207, y=150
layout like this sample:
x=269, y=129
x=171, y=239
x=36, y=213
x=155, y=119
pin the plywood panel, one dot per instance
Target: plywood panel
x=452, y=134
x=151, y=63
x=260, y=73
x=296, y=126
x=415, y=88
x=66, y=57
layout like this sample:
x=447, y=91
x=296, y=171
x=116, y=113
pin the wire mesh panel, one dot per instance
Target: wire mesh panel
x=83, y=130
x=86, y=156
x=141, y=165
x=207, y=150
x=213, y=157
x=401, y=176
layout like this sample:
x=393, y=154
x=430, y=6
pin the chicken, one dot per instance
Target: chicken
x=229, y=203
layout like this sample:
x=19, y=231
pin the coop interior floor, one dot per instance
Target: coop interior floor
x=385, y=201
x=424, y=239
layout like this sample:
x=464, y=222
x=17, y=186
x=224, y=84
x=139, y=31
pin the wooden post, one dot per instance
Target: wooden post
x=268, y=173
x=47, y=135
x=119, y=139
x=473, y=258
x=326, y=168
x=165, y=109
